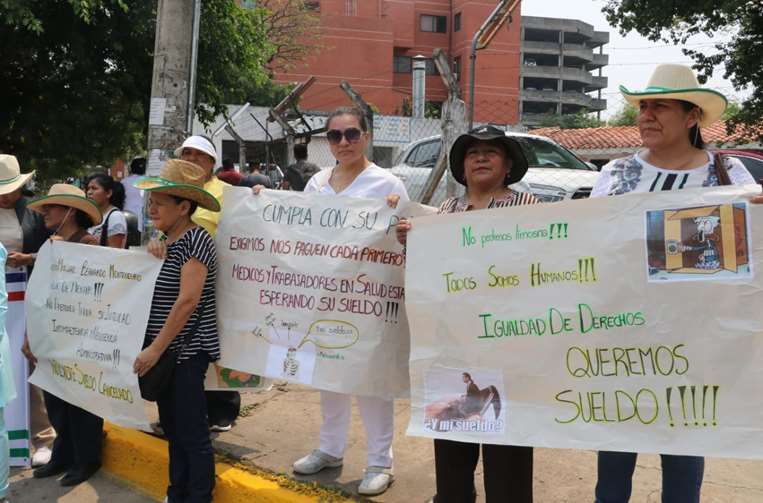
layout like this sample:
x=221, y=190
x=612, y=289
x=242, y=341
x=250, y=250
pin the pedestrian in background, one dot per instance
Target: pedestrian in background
x=134, y=196
x=109, y=195
x=298, y=174
x=228, y=173
x=255, y=177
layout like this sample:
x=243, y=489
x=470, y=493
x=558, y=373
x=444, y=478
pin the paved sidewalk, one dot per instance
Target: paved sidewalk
x=282, y=425
x=101, y=488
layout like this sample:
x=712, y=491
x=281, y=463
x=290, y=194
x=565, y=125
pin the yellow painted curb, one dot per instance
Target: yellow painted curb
x=142, y=461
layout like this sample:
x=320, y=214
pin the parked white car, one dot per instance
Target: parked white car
x=555, y=173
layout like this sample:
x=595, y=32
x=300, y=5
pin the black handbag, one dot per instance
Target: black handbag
x=156, y=382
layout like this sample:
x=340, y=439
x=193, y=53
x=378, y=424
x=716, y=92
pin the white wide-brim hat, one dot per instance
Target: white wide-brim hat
x=11, y=178
x=199, y=143
x=678, y=82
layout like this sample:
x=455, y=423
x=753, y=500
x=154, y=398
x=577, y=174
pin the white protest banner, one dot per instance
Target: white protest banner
x=310, y=289
x=628, y=323
x=87, y=310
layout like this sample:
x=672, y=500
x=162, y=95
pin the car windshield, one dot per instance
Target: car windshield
x=424, y=155
x=544, y=154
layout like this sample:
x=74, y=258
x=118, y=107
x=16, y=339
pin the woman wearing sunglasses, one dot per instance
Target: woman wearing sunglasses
x=354, y=176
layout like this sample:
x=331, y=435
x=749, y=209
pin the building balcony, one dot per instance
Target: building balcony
x=597, y=105
x=598, y=83
x=599, y=60
x=555, y=72
x=565, y=97
x=530, y=47
x=599, y=38
x=578, y=51
x=572, y=26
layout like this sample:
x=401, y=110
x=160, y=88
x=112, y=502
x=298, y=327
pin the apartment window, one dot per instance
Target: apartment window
x=431, y=67
x=314, y=5
x=457, y=22
x=402, y=64
x=351, y=8
x=434, y=24
x=457, y=67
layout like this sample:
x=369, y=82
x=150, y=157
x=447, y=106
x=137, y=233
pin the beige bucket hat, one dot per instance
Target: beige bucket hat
x=64, y=194
x=10, y=174
x=182, y=179
x=678, y=82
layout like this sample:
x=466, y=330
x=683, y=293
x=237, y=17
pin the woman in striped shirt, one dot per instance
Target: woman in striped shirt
x=486, y=161
x=183, y=320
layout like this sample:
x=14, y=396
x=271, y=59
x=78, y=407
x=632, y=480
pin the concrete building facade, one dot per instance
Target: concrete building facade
x=371, y=43
x=558, y=56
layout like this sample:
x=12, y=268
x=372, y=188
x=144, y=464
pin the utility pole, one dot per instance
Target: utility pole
x=419, y=86
x=172, y=84
x=489, y=29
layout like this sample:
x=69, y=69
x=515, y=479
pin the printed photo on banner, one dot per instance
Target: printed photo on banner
x=700, y=243
x=472, y=400
x=224, y=379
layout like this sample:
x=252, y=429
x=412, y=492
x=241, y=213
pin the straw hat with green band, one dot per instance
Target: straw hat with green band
x=678, y=82
x=63, y=194
x=10, y=174
x=182, y=179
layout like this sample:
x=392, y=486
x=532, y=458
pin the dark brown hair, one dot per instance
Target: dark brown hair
x=355, y=112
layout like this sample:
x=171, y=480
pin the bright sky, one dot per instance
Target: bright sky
x=632, y=57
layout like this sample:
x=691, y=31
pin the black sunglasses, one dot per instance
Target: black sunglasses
x=352, y=135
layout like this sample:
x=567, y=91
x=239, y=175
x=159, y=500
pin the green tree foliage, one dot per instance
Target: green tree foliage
x=76, y=75
x=732, y=111
x=579, y=120
x=678, y=20
x=627, y=116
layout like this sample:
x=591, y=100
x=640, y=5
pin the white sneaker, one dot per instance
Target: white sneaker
x=41, y=457
x=376, y=480
x=220, y=427
x=315, y=462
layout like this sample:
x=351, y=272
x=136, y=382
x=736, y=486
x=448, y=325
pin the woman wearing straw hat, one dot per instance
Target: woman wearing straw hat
x=183, y=319
x=486, y=162
x=672, y=110
x=79, y=434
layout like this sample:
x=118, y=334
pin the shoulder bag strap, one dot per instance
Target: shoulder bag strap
x=195, y=327
x=720, y=170
x=105, y=229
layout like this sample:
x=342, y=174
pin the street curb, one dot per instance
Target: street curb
x=142, y=461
